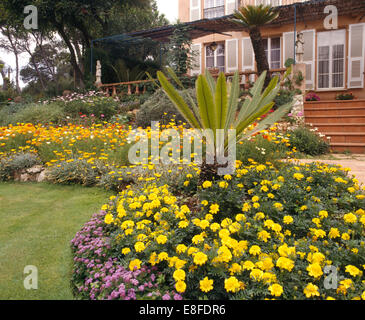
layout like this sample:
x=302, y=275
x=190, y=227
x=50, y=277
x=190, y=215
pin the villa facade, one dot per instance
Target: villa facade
x=335, y=59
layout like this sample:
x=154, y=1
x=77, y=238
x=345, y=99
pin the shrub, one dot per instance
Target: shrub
x=11, y=164
x=261, y=233
x=160, y=108
x=36, y=113
x=75, y=171
x=262, y=149
x=308, y=141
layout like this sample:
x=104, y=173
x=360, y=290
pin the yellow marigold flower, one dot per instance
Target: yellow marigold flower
x=214, y=208
x=278, y=206
x=207, y=184
x=255, y=199
x=180, y=286
x=298, y=176
x=108, y=219
x=303, y=208
x=231, y=284
x=352, y=270
x=200, y=258
x=276, y=290
x=363, y=295
x=345, y=236
x=259, y=216
x=179, y=275
x=125, y=251
x=139, y=246
x=270, y=196
x=351, y=189
x=256, y=205
x=206, y=284
x=255, y=250
x=215, y=226
x=204, y=202
x=223, y=184
x=311, y=290
x=136, y=263
x=288, y=219
x=235, y=268
x=260, y=168
x=350, y=218
x=181, y=248
x=161, y=239
x=334, y=233
x=256, y=274
x=315, y=270
x=227, y=177
x=285, y=263
x=183, y=224
x=263, y=235
x=323, y=214
x=186, y=183
x=163, y=256
x=240, y=217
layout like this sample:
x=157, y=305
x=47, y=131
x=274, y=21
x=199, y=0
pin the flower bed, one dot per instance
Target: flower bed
x=262, y=233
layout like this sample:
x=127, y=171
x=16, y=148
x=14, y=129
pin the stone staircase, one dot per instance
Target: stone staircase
x=342, y=121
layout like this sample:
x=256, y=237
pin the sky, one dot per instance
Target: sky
x=168, y=7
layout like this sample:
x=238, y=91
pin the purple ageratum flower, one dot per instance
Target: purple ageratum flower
x=166, y=297
x=177, y=296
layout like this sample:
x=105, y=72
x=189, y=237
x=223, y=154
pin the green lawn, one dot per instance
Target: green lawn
x=37, y=222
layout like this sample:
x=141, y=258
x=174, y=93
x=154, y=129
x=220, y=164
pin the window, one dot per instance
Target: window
x=331, y=59
x=269, y=2
x=213, y=8
x=215, y=59
x=273, y=52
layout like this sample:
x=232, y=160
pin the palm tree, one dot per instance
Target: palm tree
x=218, y=107
x=252, y=18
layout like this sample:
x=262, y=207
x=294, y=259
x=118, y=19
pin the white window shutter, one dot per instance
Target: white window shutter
x=231, y=5
x=195, y=10
x=356, y=55
x=288, y=44
x=308, y=57
x=248, y=57
x=232, y=55
x=197, y=54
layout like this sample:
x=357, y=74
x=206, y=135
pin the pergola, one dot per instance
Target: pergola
x=288, y=14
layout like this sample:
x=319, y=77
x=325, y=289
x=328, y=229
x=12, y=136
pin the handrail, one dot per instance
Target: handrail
x=244, y=80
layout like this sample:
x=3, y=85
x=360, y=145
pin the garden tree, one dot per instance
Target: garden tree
x=47, y=65
x=180, y=59
x=217, y=108
x=252, y=18
x=89, y=18
x=10, y=42
x=3, y=75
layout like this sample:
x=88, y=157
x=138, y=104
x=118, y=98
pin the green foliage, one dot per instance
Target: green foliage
x=261, y=150
x=308, y=142
x=254, y=16
x=160, y=108
x=180, y=58
x=11, y=164
x=75, y=172
x=217, y=106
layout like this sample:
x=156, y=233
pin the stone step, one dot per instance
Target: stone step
x=335, y=111
x=346, y=137
x=335, y=119
x=348, y=147
x=334, y=104
x=340, y=127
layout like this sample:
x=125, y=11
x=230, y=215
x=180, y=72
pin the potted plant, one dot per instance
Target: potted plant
x=345, y=96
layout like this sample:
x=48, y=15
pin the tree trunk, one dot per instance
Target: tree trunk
x=79, y=76
x=260, y=55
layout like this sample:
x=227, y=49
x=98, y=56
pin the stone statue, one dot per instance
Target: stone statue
x=299, y=48
x=98, y=73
